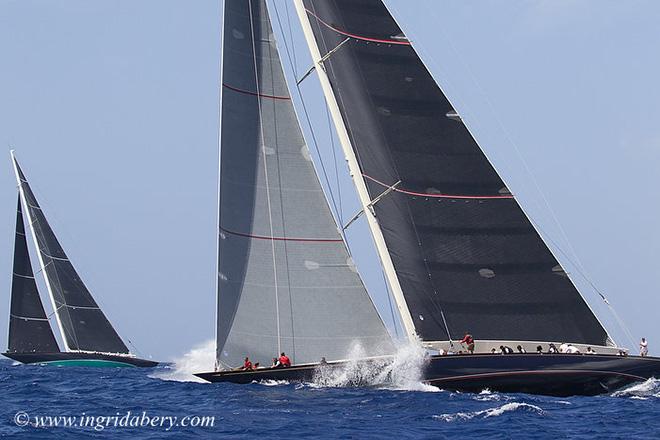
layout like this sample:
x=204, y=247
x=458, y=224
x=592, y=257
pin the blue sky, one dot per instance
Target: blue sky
x=112, y=107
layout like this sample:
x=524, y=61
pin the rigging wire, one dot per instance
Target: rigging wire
x=308, y=120
x=263, y=152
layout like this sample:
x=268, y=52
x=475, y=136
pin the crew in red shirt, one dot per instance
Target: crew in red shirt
x=469, y=340
x=284, y=360
x=247, y=365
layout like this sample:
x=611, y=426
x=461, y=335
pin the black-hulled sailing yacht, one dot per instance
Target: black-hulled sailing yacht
x=456, y=248
x=88, y=337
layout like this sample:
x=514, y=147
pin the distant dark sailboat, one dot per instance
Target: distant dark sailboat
x=88, y=337
x=456, y=248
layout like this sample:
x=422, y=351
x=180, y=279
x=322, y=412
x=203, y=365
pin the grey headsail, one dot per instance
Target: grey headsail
x=83, y=324
x=29, y=328
x=464, y=254
x=285, y=279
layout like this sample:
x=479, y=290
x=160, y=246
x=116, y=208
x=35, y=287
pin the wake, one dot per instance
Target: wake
x=199, y=358
x=644, y=390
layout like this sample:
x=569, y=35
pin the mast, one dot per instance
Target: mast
x=354, y=168
x=29, y=327
x=42, y=266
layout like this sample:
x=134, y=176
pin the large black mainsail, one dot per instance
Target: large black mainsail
x=285, y=279
x=463, y=254
x=83, y=324
x=29, y=328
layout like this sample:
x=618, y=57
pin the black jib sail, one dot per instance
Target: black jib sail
x=285, y=279
x=29, y=329
x=83, y=324
x=464, y=254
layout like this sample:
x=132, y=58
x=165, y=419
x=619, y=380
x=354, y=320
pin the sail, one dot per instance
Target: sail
x=83, y=324
x=285, y=279
x=465, y=255
x=29, y=329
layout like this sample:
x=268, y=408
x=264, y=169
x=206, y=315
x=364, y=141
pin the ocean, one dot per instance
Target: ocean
x=42, y=402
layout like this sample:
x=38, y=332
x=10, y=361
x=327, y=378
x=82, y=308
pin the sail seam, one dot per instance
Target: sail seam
x=23, y=276
x=437, y=196
x=298, y=239
x=257, y=94
x=355, y=36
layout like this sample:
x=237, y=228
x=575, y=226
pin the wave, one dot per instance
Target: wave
x=402, y=372
x=491, y=412
x=646, y=389
x=200, y=358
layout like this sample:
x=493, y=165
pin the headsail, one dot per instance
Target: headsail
x=285, y=279
x=83, y=324
x=464, y=254
x=29, y=329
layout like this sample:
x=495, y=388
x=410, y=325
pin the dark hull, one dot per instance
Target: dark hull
x=549, y=374
x=81, y=359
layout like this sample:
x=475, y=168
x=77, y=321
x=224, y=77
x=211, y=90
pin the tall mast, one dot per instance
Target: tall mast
x=354, y=168
x=36, y=243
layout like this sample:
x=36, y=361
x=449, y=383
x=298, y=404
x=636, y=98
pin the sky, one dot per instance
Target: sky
x=112, y=108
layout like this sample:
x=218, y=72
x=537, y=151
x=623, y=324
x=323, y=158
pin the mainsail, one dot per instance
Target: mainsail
x=83, y=324
x=463, y=254
x=285, y=279
x=29, y=329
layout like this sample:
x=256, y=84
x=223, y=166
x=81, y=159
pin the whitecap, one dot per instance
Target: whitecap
x=491, y=412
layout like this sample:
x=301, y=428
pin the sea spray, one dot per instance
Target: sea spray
x=200, y=358
x=646, y=389
x=403, y=371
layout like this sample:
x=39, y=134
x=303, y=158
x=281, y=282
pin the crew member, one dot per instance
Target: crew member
x=643, y=347
x=469, y=340
x=247, y=365
x=284, y=360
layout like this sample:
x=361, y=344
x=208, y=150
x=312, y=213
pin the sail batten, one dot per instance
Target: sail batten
x=285, y=279
x=464, y=255
x=83, y=325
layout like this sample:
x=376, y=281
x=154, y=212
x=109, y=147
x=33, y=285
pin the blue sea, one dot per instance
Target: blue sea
x=156, y=403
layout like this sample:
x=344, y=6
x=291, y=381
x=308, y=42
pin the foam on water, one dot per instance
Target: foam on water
x=199, y=358
x=491, y=412
x=402, y=372
x=646, y=389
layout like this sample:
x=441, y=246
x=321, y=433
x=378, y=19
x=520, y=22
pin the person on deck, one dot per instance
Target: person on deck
x=469, y=341
x=521, y=350
x=284, y=360
x=563, y=347
x=539, y=349
x=504, y=349
x=571, y=349
x=247, y=365
x=643, y=347
x=590, y=351
x=275, y=363
x=552, y=349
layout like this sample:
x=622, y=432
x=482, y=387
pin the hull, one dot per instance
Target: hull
x=74, y=359
x=548, y=374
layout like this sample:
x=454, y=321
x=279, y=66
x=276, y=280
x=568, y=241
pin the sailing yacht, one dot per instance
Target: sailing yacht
x=88, y=337
x=457, y=250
